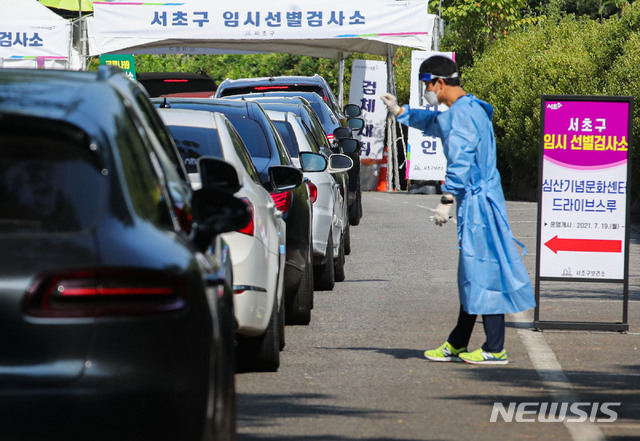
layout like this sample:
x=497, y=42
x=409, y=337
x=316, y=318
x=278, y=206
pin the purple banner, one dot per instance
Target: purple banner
x=586, y=134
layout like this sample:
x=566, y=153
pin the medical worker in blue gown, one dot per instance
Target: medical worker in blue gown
x=492, y=280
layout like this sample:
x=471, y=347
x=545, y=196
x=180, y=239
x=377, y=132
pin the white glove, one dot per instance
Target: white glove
x=442, y=213
x=392, y=104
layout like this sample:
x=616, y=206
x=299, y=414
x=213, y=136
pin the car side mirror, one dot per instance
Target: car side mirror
x=284, y=177
x=339, y=163
x=352, y=110
x=355, y=123
x=342, y=132
x=349, y=145
x=216, y=211
x=313, y=162
x=219, y=174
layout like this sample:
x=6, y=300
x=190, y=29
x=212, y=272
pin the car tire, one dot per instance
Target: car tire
x=262, y=353
x=281, y=322
x=226, y=413
x=299, y=312
x=338, y=269
x=355, y=210
x=347, y=239
x=223, y=394
x=324, y=277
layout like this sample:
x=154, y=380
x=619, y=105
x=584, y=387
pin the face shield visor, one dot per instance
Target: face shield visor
x=425, y=79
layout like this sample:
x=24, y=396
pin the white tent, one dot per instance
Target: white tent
x=321, y=28
x=31, y=35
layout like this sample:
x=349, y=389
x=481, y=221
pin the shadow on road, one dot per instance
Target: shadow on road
x=315, y=438
x=398, y=353
x=364, y=280
x=587, y=386
x=256, y=410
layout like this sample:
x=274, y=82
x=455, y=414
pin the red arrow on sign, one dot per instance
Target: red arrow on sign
x=584, y=245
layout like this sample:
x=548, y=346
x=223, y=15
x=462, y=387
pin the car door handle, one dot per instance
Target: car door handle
x=212, y=280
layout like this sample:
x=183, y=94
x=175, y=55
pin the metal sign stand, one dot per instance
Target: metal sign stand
x=583, y=202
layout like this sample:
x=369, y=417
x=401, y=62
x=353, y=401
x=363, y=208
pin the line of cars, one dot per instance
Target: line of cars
x=151, y=248
x=271, y=130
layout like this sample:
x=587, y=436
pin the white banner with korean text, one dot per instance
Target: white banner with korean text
x=368, y=82
x=425, y=158
x=20, y=39
x=122, y=25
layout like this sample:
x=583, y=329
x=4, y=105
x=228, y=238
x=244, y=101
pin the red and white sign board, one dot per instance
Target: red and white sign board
x=584, y=176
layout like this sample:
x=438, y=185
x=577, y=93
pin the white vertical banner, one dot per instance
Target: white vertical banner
x=368, y=82
x=425, y=158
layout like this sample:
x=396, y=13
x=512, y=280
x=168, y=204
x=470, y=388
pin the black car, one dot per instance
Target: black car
x=108, y=304
x=317, y=92
x=267, y=149
x=165, y=83
x=316, y=84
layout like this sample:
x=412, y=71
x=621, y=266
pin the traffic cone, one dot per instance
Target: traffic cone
x=382, y=174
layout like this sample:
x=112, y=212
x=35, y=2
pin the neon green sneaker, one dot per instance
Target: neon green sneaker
x=446, y=352
x=481, y=357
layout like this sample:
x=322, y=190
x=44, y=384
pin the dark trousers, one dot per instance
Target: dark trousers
x=493, y=328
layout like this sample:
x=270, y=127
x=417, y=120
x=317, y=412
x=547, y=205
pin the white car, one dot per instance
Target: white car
x=330, y=209
x=258, y=250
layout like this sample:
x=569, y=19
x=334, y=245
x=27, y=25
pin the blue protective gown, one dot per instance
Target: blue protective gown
x=491, y=276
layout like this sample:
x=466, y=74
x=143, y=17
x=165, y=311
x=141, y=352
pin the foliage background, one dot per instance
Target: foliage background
x=509, y=51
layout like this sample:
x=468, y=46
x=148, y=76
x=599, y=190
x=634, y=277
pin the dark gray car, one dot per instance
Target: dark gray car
x=108, y=307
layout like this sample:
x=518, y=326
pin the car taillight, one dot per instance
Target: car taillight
x=248, y=229
x=330, y=136
x=313, y=191
x=105, y=292
x=184, y=216
x=175, y=81
x=282, y=200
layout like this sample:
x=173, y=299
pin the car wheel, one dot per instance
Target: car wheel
x=347, y=239
x=281, y=322
x=338, y=268
x=222, y=396
x=225, y=416
x=324, y=277
x=299, y=312
x=262, y=353
x=355, y=210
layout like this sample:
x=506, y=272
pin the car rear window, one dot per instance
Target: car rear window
x=226, y=91
x=50, y=178
x=253, y=136
x=288, y=136
x=194, y=142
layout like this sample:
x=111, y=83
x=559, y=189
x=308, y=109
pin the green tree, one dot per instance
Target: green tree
x=473, y=25
x=565, y=56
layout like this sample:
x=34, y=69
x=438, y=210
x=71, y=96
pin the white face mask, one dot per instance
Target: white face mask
x=432, y=97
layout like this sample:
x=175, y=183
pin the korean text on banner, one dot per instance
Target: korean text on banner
x=583, y=194
x=368, y=82
x=425, y=157
x=254, y=19
x=31, y=39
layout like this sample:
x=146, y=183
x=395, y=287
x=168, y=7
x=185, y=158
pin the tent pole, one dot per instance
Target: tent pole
x=341, y=79
x=81, y=39
x=392, y=157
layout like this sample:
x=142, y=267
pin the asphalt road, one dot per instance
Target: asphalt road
x=357, y=371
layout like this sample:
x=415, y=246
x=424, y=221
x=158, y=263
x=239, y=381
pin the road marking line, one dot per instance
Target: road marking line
x=550, y=372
